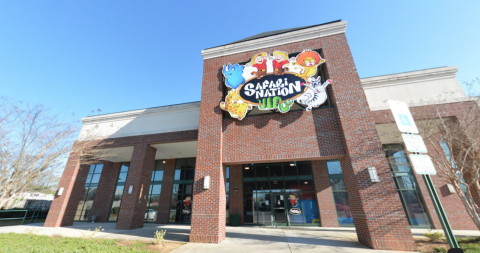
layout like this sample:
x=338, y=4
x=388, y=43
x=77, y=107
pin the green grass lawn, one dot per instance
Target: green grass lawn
x=22, y=243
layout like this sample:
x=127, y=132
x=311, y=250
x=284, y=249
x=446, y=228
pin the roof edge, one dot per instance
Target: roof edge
x=276, y=40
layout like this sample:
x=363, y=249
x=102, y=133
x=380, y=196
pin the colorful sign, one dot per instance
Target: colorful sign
x=274, y=83
x=186, y=205
x=294, y=203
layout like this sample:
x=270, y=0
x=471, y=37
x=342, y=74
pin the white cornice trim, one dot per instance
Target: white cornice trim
x=276, y=40
x=408, y=77
x=424, y=103
x=142, y=113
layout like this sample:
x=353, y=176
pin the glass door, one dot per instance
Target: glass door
x=278, y=209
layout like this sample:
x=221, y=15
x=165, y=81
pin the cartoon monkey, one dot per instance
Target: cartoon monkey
x=309, y=60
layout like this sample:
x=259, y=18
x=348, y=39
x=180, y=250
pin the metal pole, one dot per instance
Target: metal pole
x=288, y=220
x=452, y=241
x=23, y=221
x=271, y=217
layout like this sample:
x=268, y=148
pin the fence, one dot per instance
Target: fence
x=21, y=217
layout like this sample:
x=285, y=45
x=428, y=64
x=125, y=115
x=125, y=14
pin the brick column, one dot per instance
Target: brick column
x=236, y=197
x=326, y=203
x=166, y=195
x=208, y=214
x=63, y=208
x=105, y=191
x=132, y=209
x=377, y=211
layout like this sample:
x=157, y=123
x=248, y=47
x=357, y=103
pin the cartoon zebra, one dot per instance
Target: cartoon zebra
x=315, y=95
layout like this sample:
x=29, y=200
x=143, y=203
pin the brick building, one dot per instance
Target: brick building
x=303, y=167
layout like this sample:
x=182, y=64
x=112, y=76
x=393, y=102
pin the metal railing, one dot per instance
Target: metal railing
x=33, y=217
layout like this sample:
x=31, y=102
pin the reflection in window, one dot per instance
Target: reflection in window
x=277, y=191
x=407, y=186
x=182, y=191
x=117, y=198
x=90, y=188
x=227, y=193
x=340, y=196
x=446, y=150
x=155, y=191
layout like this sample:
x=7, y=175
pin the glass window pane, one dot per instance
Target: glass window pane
x=175, y=189
x=248, y=187
x=276, y=171
x=177, y=174
x=248, y=171
x=158, y=175
x=190, y=163
x=248, y=208
x=294, y=204
x=227, y=187
x=173, y=208
x=415, y=209
x=89, y=179
x=343, y=208
x=262, y=208
x=277, y=185
x=180, y=163
x=291, y=185
x=263, y=186
x=188, y=189
x=304, y=168
x=122, y=177
x=337, y=184
x=156, y=189
x=227, y=176
x=261, y=170
x=95, y=178
x=290, y=170
x=189, y=174
x=310, y=208
x=334, y=167
x=406, y=182
x=125, y=167
x=98, y=168
x=92, y=168
x=306, y=185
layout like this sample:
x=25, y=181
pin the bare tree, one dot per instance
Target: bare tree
x=33, y=144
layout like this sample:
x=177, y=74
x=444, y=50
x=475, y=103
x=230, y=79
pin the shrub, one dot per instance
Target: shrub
x=434, y=236
x=89, y=235
x=158, y=237
x=439, y=250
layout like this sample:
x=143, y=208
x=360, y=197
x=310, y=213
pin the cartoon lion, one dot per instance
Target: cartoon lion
x=309, y=60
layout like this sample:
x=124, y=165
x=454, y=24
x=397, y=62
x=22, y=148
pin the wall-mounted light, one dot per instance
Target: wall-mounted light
x=235, y=188
x=451, y=189
x=292, y=164
x=163, y=161
x=206, y=182
x=60, y=191
x=130, y=189
x=372, y=172
x=247, y=168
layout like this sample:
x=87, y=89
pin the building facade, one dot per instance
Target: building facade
x=203, y=162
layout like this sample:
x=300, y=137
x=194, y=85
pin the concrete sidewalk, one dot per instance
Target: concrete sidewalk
x=239, y=239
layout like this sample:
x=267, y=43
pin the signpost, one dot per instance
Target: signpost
x=422, y=164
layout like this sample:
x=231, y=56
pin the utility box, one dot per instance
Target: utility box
x=235, y=220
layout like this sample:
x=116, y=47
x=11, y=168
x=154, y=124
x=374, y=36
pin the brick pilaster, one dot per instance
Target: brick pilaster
x=378, y=214
x=326, y=203
x=166, y=195
x=133, y=206
x=236, y=196
x=63, y=208
x=105, y=191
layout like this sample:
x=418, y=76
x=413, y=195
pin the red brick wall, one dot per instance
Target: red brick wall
x=133, y=206
x=63, y=208
x=105, y=191
x=166, y=195
x=236, y=197
x=326, y=203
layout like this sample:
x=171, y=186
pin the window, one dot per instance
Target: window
x=340, y=196
x=454, y=166
x=117, y=197
x=155, y=191
x=407, y=186
x=182, y=193
x=85, y=205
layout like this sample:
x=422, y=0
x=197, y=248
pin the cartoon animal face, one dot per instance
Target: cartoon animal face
x=233, y=75
x=310, y=61
x=235, y=105
x=308, y=58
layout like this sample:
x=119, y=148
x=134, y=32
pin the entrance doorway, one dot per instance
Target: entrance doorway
x=279, y=194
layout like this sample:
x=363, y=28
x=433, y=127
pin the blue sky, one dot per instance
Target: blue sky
x=125, y=55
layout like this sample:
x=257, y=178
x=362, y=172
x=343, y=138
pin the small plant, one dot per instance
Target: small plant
x=439, y=250
x=434, y=236
x=158, y=237
x=90, y=234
